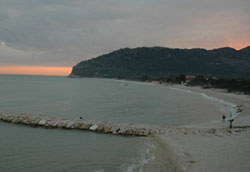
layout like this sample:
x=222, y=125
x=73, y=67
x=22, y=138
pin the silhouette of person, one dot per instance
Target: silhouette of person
x=223, y=117
x=231, y=123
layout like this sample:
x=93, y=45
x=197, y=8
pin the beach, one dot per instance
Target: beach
x=206, y=147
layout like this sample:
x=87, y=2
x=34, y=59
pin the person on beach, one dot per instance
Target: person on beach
x=231, y=123
x=223, y=117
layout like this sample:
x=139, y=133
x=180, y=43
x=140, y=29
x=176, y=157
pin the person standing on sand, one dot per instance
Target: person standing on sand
x=231, y=120
x=231, y=123
x=223, y=118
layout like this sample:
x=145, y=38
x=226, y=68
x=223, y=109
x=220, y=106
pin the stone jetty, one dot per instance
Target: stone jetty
x=112, y=127
x=78, y=123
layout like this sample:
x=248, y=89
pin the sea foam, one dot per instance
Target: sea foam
x=232, y=108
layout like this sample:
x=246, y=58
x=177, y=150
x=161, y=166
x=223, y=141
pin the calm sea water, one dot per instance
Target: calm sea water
x=25, y=149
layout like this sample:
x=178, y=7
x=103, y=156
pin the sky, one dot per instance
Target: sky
x=50, y=36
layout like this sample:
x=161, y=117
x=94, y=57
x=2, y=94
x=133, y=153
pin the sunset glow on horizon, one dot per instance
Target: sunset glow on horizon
x=238, y=45
x=36, y=70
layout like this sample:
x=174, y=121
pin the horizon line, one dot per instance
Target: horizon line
x=35, y=70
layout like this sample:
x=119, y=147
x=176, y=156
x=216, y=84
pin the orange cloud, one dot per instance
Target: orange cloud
x=36, y=70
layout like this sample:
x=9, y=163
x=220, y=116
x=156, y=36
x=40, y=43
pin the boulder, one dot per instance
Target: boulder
x=77, y=125
x=27, y=120
x=50, y=123
x=93, y=127
x=142, y=132
x=62, y=123
x=42, y=122
x=145, y=132
x=122, y=130
x=115, y=130
x=70, y=124
x=8, y=119
x=127, y=131
x=85, y=126
x=16, y=121
x=55, y=124
x=107, y=129
x=35, y=121
x=152, y=132
x=100, y=128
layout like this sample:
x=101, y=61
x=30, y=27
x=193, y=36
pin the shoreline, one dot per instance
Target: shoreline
x=178, y=147
x=165, y=159
x=234, y=109
x=213, y=150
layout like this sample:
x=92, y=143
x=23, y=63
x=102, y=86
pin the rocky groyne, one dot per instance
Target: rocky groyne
x=112, y=127
x=80, y=124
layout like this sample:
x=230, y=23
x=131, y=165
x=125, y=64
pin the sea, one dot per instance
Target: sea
x=28, y=149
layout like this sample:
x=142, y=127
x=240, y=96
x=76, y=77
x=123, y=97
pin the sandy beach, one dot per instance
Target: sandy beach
x=206, y=147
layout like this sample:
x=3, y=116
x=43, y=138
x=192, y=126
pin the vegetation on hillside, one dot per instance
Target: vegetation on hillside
x=218, y=68
x=153, y=63
x=230, y=84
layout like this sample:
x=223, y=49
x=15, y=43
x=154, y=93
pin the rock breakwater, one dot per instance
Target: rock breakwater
x=80, y=124
x=113, y=127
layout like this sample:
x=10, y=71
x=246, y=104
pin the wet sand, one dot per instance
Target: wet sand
x=165, y=159
x=206, y=147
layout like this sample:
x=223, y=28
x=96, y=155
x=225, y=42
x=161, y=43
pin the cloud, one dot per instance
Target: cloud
x=63, y=32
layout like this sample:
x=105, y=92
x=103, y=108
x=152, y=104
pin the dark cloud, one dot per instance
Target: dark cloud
x=63, y=32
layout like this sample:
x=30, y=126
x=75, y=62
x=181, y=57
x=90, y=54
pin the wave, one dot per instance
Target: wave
x=232, y=108
x=139, y=163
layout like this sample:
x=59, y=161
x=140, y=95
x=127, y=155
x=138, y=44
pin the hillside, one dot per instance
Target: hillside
x=159, y=62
